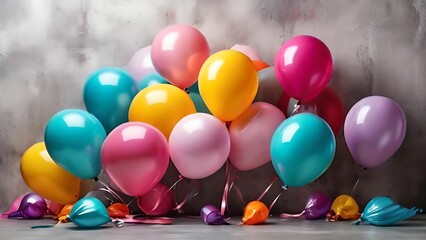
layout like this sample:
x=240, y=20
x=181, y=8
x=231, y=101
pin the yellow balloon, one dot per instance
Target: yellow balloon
x=161, y=105
x=47, y=179
x=228, y=84
x=345, y=207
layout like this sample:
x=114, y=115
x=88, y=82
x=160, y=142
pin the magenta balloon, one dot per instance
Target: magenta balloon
x=374, y=129
x=178, y=52
x=140, y=65
x=135, y=157
x=32, y=206
x=251, y=134
x=303, y=66
x=158, y=201
x=199, y=145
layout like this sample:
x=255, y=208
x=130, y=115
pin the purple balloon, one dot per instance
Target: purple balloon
x=32, y=206
x=317, y=206
x=211, y=215
x=374, y=130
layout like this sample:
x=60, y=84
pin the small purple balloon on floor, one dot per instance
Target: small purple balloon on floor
x=211, y=215
x=317, y=206
x=32, y=206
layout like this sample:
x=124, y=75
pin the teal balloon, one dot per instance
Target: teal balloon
x=194, y=88
x=382, y=211
x=200, y=106
x=89, y=212
x=151, y=79
x=107, y=94
x=73, y=140
x=302, y=149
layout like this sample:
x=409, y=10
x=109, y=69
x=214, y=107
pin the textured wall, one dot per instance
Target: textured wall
x=47, y=48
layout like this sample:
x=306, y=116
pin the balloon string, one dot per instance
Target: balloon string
x=109, y=190
x=286, y=215
x=142, y=219
x=161, y=197
x=296, y=108
x=274, y=179
x=238, y=191
x=357, y=181
x=225, y=190
x=189, y=194
x=275, y=200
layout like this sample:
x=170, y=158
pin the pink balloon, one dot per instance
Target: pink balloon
x=303, y=66
x=247, y=50
x=135, y=157
x=14, y=206
x=140, y=65
x=178, y=52
x=158, y=201
x=251, y=134
x=199, y=145
x=53, y=208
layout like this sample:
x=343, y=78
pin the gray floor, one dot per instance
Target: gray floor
x=185, y=228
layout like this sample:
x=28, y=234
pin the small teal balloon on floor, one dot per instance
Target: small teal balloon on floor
x=107, y=94
x=74, y=140
x=382, y=211
x=302, y=149
x=89, y=212
x=151, y=79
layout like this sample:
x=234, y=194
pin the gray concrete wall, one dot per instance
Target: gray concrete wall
x=47, y=48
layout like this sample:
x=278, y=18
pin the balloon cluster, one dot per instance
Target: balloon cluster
x=198, y=109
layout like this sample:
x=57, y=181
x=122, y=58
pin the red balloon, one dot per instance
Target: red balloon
x=158, y=201
x=329, y=107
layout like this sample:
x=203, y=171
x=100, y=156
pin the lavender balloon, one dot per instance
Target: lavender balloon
x=317, y=206
x=211, y=215
x=32, y=206
x=374, y=130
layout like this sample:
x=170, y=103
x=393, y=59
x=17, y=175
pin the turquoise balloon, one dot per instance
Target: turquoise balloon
x=302, y=149
x=74, y=139
x=89, y=212
x=382, y=211
x=151, y=79
x=107, y=94
x=194, y=88
x=200, y=106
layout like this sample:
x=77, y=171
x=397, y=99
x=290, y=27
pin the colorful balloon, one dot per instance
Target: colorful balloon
x=14, y=206
x=246, y=50
x=74, y=139
x=32, y=206
x=151, y=79
x=344, y=207
x=140, y=65
x=255, y=213
x=135, y=157
x=228, y=84
x=44, y=177
x=89, y=213
x=270, y=90
x=162, y=106
x=374, y=129
x=53, y=208
x=302, y=149
x=158, y=201
x=65, y=212
x=317, y=206
x=251, y=134
x=382, y=211
x=107, y=94
x=303, y=66
x=328, y=106
x=178, y=52
x=118, y=210
x=211, y=215
x=259, y=65
x=199, y=145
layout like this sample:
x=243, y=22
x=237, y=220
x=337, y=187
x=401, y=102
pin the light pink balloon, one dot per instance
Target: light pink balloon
x=140, y=65
x=158, y=201
x=135, y=157
x=178, y=52
x=247, y=50
x=53, y=208
x=251, y=135
x=14, y=206
x=199, y=145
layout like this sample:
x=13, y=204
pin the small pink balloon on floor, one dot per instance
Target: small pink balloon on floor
x=14, y=206
x=158, y=201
